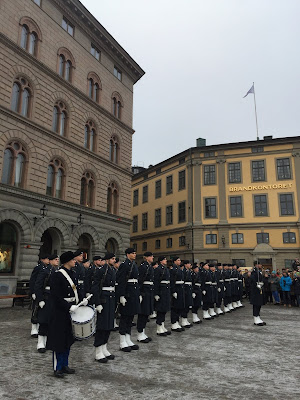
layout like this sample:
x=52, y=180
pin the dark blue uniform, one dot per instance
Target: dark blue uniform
x=196, y=280
x=178, y=304
x=33, y=277
x=146, y=278
x=162, y=289
x=188, y=292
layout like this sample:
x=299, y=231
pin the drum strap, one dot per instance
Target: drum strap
x=68, y=278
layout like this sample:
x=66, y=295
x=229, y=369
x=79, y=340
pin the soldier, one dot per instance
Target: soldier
x=220, y=286
x=43, y=261
x=197, y=293
x=117, y=304
x=103, y=290
x=80, y=271
x=177, y=292
x=206, y=287
x=257, y=298
x=42, y=291
x=241, y=287
x=89, y=273
x=235, y=290
x=146, y=277
x=214, y=291
x=227, y=289
x=129, y=298
x=188, y=294
x=162, y=294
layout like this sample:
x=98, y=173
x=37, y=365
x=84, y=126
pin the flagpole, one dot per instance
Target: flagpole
x=257, y=138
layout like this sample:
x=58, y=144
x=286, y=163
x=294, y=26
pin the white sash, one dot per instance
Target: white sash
x=68, y=278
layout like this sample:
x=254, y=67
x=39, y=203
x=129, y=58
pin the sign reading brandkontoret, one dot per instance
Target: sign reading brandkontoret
x=260, y=187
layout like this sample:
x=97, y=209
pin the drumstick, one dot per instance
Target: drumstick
x=87, y=298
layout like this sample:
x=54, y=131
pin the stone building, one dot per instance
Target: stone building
x=66, y=103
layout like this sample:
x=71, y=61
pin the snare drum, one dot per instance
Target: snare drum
x=84, y=322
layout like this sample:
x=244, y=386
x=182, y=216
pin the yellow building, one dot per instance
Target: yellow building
x=235, y=201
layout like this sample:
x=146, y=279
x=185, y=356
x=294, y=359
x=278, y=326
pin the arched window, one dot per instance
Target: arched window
x=90, y=135
x=30, y=36
x=66, y=64
x=14, y=161
x=114, y=150
x=117, y=104
x=87, y=190
x=112, y=198
x=55, y=179
x=60, y=118
x=21, y=97
x=94, y=87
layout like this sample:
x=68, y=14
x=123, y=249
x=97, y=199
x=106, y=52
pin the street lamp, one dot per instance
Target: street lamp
x=43, y=214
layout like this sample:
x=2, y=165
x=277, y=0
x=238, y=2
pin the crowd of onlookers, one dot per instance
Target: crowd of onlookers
x=280, y=287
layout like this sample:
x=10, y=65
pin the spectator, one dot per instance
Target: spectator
x=267, y=289
x=247, y=284
x=274, y=287
x=296, y=284
x=296, y=264
x=286, y=283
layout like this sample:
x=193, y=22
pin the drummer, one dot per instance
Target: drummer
x=103, y=290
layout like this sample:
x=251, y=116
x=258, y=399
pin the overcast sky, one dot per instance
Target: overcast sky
x=200, y=59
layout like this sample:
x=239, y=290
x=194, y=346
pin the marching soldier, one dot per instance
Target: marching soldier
x=241, y=288
x=177, y=292
x=197, y=293
x=214, y=291
x=162, y=295
x=146, y=277
x=227, y=289
x=89, y=273
x=80, y=272
x=220, y=286
x=129, y=298
x=234, y=286
x=188, y=293
x=103, y=290
x=206, y=287
x=257, y=298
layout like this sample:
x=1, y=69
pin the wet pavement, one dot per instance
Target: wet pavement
x=228, y=358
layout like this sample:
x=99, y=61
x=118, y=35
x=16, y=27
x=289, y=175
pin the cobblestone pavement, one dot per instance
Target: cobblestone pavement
x=228, y=358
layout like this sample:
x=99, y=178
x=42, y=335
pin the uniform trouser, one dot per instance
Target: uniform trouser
x=101, y=337
x=141, y=322
x=60, y=360
x=43, y=329
x=184, y=312
x=205, y=306
x=161, y=317
x=227, y=300
x=256, y=310
x=125, y=324
x=175, y=314
x=219, y=302
x=195, y=309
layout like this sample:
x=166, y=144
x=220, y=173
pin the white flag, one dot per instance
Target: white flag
x=251, y=90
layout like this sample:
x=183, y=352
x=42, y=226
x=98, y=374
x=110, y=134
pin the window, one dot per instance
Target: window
x=158, y=189
x=211, y=239
x=134, y=247
x=87, y=190
x=181, y=211
x=209, y=174
x=95, y=52
x=289, y=237
x=113, y=198
x=210, y=207
x=181, y=160
x=55, y=178
x=117, y=104
x=169, y=243
x=94, y=87
x=169, y=215
x=114, y=150
x=67, y=26
x=60, y=118
x=90, y=135
x=144, y=221
x=169, y=186
x=236, y=209
x=286, y=204
x=261, y=205
x=157, y=217
x=237, y=238
x=30, y=36
x=144, y=246
x=181, y=240
x=66, y=64
x=157, y=244
x=9, y=246
x=145, y=194
x=209, y=154
x=239, y=262
x=234, y=172
x=262, y=238
x=14, y=161
x=21, y=101
x=181, y=180
x=135, y=223
x=136, y=197
x=258, y=171
x=288, y=263
x=158, y=171
x=257, y=149
x=283, y=168
x=117, y=73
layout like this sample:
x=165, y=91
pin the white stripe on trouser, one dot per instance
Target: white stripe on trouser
x=54, y=361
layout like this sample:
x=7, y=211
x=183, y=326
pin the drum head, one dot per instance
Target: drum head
x=83, y=314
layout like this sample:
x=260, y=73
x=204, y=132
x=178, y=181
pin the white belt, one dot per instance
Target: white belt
x=132, y=281
x=197, y=284
x=80, y=281
x=239, y=280
x=69, y=299
x=214, y=283
x=227, y=280
x=166, y=282
x=235, y=279
x=47, y=288
x=207, y=283
x=148, y=283
x=179, y=282
x=116, y=283
x=187, y=283
x=221, y=280
x=109, y=288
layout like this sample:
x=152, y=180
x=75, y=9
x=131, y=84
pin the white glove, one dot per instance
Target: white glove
x=88, y=294
x=73, y=309
x=141, y=299
x=219, y=289
x=193, y=295
x=84, y=302
x=224, y=288
x=259, y=286
x=123, y=301
x=42, y=304
x=175, y=295
x=203, y=292
x=33, y=296
x=156, y=297
x=99, y=308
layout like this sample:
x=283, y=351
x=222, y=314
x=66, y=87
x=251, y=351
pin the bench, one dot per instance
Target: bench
x=21, y=295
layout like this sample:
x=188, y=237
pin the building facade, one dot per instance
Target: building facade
x=234, y=202
x=66, y=97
